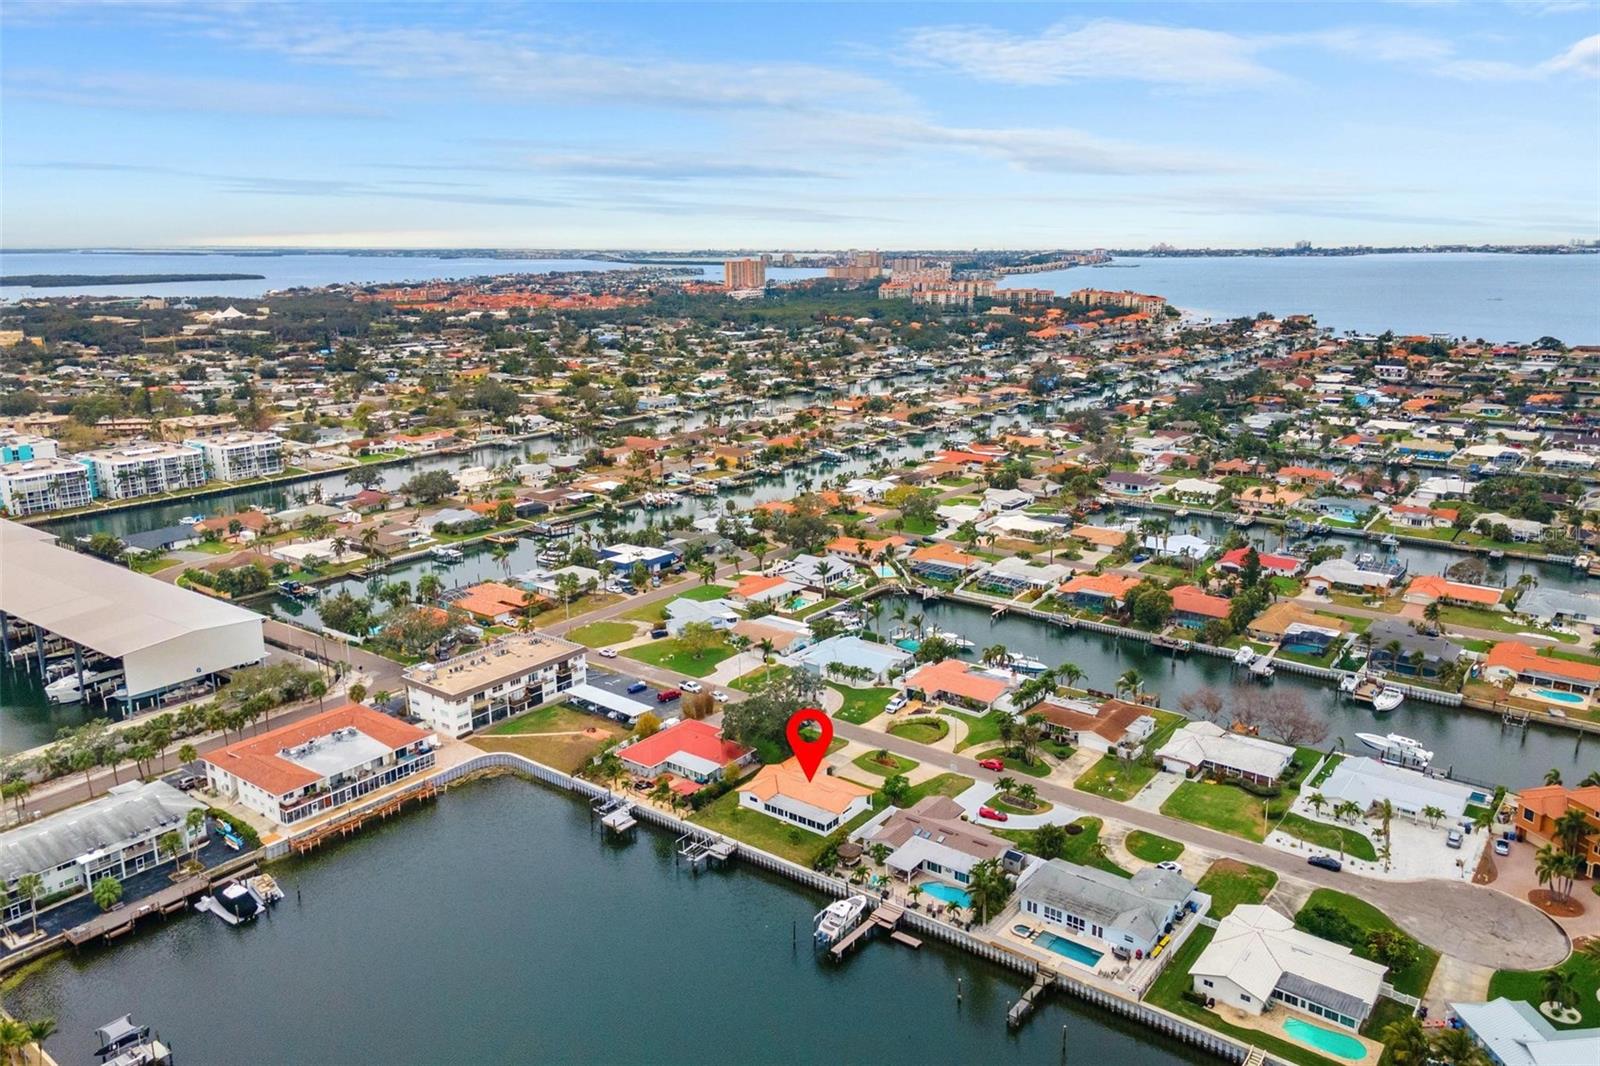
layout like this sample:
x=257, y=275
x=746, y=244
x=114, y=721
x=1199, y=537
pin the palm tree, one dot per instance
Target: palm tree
x=30, y=887
x=1548, y=865
x=989, y=887
x=187, y=754
x=1131, y=683
x=915, y=892
x=996, y=655
x=1070, y=674
x=1458, y=1048
x=107, y=892
x=13, y=1035
x=1557, y=986
x=1005, y=785
x=193, y=822
x=1433, y=814
x=1592, y=780
x=1027, y=794
x=1552, y=776
x=1317, y=801
x=38, y=1032
x=1407, y=1041
x=1572, y=831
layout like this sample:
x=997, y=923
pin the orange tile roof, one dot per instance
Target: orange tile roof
x=1440, y=588
x=1192, y=600
x=755, y=584
x=958, y=679
x=1100, y=535
x=1113, y=585
x=786, y=779
x=258, y=760
x=1517, y=656
x=943, y=552
x=491, y=599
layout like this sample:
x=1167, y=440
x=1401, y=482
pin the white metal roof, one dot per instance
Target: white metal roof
x=100, y=605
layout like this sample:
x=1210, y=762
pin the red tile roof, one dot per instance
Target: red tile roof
x=258, y=760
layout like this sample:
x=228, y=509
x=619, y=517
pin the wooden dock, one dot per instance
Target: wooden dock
x=885, y=918
x=353, y=822
x=1022, y=1008
x=115, y=923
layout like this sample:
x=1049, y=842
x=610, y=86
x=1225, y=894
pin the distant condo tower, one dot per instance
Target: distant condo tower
x=743, y=274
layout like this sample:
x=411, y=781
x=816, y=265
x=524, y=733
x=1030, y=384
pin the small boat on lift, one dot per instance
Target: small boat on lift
x=65, y=689
x=124, y=1042
x=1398, y=750
x=836, y=920
x=1262, y=669
x=448, y=555
x=1244, y=656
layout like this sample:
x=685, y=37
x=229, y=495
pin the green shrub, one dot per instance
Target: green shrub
x=1330, y=924
x=243, y=830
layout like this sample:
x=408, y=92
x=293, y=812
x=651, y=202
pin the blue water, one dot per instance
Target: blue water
x=1559, y=697
x=1071, y=949
x=947, y=893
x=1496, y=297
x=288, y=270
x=1329, y=1040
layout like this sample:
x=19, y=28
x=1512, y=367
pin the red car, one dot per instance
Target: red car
x=992, y=814
x=992, y=764
x=667, y=695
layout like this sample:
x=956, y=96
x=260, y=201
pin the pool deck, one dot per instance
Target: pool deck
x=1272, y=1024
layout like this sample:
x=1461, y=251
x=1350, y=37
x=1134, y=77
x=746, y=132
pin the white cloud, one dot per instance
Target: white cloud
x=136, y=91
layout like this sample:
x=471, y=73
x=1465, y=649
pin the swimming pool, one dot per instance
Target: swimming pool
x=1071, y=949
x=1559, y=697
x=947, y=893
x=1329, y=1040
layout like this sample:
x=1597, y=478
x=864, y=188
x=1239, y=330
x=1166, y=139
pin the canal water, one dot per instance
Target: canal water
x=496, y=926
x=1471, y=743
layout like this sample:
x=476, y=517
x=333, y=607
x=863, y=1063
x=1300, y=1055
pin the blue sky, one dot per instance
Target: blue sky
x=798, y=125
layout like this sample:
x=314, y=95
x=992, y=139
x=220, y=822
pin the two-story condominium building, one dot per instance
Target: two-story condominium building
x=506, y=678
x=819, y=805
x=321, y=763
x=143, y=468
x=112, y=834
x=1258, y=957
x=1128, y=913
x=36, y=486
x=240, y=456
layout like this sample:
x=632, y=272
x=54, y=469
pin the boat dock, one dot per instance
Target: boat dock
x=353, y=821
x=616, y=814
x=1042, y=980
x=884, y=918
x=699, y=848
x=173, y=899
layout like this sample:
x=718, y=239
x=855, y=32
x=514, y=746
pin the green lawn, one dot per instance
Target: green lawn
x=557, y=718
x=1151, y=848
x=752, y=681
x=1220, y=807
x=1081, y=847
x=1037, y=768
x=1494, y=620
x=1230, y=883
x=1356, y=845
x=724, y=815
x=669, y=654
x=1039, y=806
x=1413, y=980
x=894, y=764
x=1524, y=985
x=984, y=730
x=920, y=526
x=705, y=593
x=600, y=634
x=861, y=705
x=922, y=730
x=1115, y=779
x=1327, y=769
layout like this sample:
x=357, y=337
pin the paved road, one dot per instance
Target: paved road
x=1475, y=924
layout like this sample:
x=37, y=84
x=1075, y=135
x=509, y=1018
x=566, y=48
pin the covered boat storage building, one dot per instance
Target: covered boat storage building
x=163, y=636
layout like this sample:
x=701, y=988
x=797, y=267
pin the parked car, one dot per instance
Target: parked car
x=1169, y=865
x=186, y=782
x=992, y=814
x=667, y=695
x=991, y=764
x=1326, y=862
x=895, y=702
x=691, y=686
x=657, y=634
x=608, y=653
x=720, y=696
x=1453, y=839
x=1502, y=846
x=637, y=686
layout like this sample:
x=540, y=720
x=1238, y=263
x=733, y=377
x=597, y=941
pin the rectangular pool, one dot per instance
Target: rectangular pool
x=1071, y=949
x=947, y=893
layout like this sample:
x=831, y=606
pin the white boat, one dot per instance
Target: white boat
x=1397, y=750
x=1244, y=656
x=235, y=902
x=448, y=555
x=1182, y=512
x=838, y=918
x=957, y=639
x=191, y=519
x=1024, y=664
x=65, y=689
x=1390, y=541
x=1387, y=698
x=1348, y=683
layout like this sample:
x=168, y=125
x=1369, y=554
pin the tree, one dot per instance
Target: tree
x=1433, y=815
x=107, y=892
x=989, y=888
x=1317, y=801
x=1407, y=1041
x=647, y=725
x=1131, y=683
x=357, y=692
x=1557, y=986
x=1393, y=948
x=30, y=887
x=1552, y=776
x=1049, y=840
x=193, y=823
x=697, y=638
x=896, y=789
x=1458, y=1048
x=759, y=721
x=39, y=1031
x=1250, y=570
x=187, y=754
x=430, y=486
x=170, y=842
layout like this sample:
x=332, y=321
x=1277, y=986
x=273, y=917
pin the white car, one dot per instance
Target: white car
x=895, y=703
x=691, y=686
x=720, y=696
x=1170, y=865
x=608, y=653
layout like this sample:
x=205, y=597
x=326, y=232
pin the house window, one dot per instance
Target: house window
x=1207, y=982
x=1244, y=997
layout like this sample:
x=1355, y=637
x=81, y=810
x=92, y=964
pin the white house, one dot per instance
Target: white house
x=1366, y=782
x=1257, y=956
x=1129, y=913
x=819, y=805
x=1514, y=1033
x=1198, y=490
x=1205, y=747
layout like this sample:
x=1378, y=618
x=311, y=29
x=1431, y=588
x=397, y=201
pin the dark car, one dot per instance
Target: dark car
x=637, y=686
x=657, y=634
x=1326, y=862
x=667, y=695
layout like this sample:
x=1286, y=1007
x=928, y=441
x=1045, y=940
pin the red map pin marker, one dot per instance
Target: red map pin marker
x=809, y=753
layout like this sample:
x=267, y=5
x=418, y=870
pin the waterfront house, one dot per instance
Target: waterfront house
x=1430, y=588
x=1368, y=782
x=1514, y=659
x=1198, y=490
x=1098, y=592
x=1207, y=748
x=319, y=764
x=114, y=835
x=1415, y=516
x=763, y=588
x=816, y=572
x=1129, y=913
x=959, y=683
x=625, y=556
x=1399, y=649
x=1341, y=509
x=692, y=750
x=1257, y=957
x=512, y=675
x=1514, y=1033
x=1558, y=606
x=879, y=662
x=1126, y=483
x=1538, y=810
x=1263, y=499
x=1104, y=537
x=818, y=805
x=934, y=839
x=865, y=550
x=1194, y=607
x=491, y=602
x=1345, y=575
x=1274, y=565
x=943, y=561
x=1012, y=576
x=1111, y=725
x=1177, y=546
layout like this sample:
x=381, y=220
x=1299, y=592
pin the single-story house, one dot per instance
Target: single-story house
x=816, y=572
x=1193, y=606
x=1257, y=957
x=1132, y=484
x=943, y=561
x=1514, y=1033
x=1275, y=565
x=1198, y=490
x=1108, y=726
x=1343, y=574
x=1207, y=748
x=1558, y=606
x=956, y=682
x=693, y=750
x=1130, y=913
x=1014, y=575
x=882, y=661
x=1512, y=658
x=718, y=614
x=1419, y=654
x=932, y=838
x=1178, y=546
x=1430, y=588
x=1341, y=508
x=1367, y=782
x=764, y=588
x=1098, y=592
x=818, y=805
x=1105, y=537
x=490, y=602
x=625, y=556
x=1286, y=616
